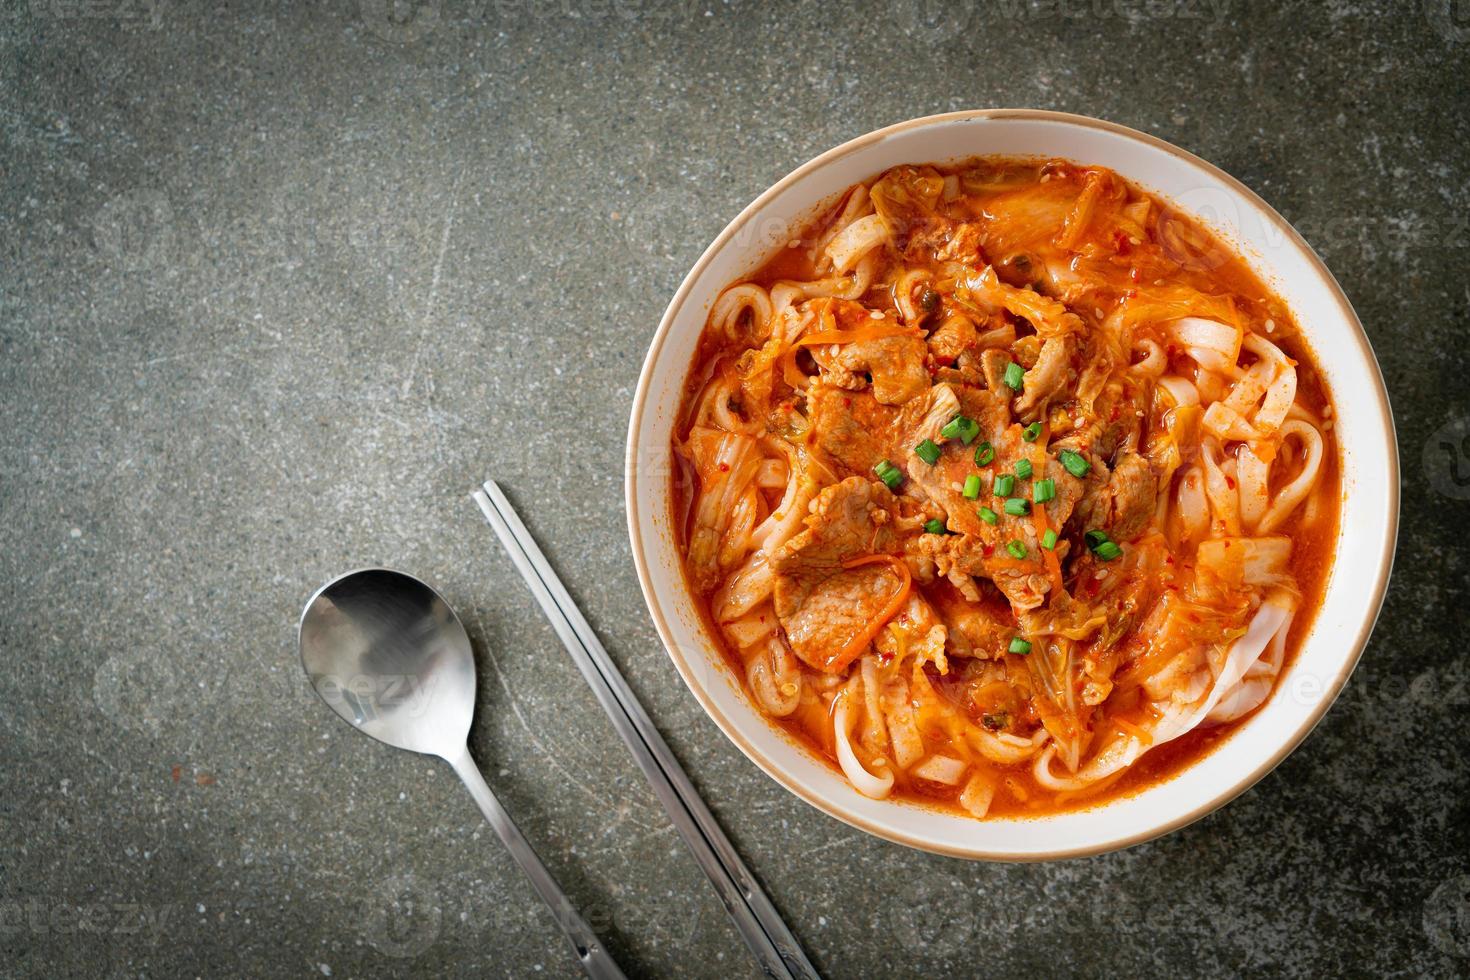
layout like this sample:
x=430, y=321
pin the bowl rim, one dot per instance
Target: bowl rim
x=835, y=809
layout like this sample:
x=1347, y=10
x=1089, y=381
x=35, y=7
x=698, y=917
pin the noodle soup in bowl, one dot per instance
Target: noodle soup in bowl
x=987, y=480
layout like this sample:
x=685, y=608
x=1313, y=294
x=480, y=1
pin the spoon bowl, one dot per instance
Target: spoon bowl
x=388, y=654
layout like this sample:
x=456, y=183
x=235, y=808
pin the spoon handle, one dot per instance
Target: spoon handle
x=595, y=960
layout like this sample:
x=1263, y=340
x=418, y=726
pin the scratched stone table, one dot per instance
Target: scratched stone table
x=280, y=282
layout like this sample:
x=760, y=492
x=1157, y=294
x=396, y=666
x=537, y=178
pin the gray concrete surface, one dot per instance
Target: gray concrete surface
x=279, y=282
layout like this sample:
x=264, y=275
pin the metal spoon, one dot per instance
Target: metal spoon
x=387, y=653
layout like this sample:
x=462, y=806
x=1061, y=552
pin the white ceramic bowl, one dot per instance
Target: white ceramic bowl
x=1364, y=430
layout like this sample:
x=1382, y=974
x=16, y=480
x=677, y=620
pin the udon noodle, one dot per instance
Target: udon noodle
x=1005, y=485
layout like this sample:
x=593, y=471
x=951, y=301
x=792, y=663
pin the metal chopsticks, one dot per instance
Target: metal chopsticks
x=762, y=927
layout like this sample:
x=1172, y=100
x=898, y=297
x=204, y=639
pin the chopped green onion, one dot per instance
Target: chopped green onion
x=1049, y=540
x=1102, y=545
x=934, y=526
x=1014, y=376
x=961, y=428
x=1020, y=646
x=927, y=451
x=1074, y=463
x=987, y=515
x=1044, y=490
x=984, y=454
x=1023, y=468
x=1032, y=432
x=1004, y=484
x=1016, y=548
x=972, y=487
x=889, y=474
x=1018, y=506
